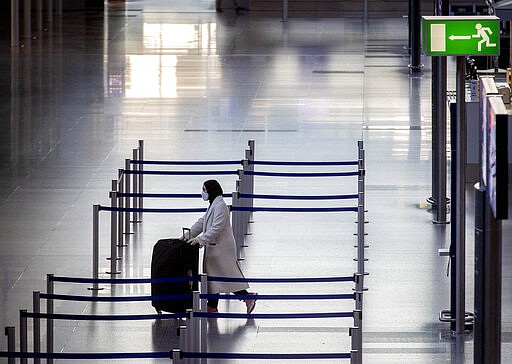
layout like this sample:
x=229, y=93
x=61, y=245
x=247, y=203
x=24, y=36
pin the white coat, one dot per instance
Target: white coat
x=220, y=247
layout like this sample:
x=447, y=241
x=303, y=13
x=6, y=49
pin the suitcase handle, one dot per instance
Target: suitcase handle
x=185, y=230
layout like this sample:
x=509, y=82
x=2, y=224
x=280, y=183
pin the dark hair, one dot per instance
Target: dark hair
x=213, y=188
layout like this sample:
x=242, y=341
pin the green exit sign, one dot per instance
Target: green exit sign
x=460, y=35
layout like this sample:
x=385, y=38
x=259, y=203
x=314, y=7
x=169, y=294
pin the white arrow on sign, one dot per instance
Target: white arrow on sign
x=459, y=37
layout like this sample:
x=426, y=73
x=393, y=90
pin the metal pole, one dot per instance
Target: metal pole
x=39, y=16
x=135, y=186
x=360, y=222
x=285, y=10
x=245, y=188
x=189, y=340
x=10, y=332
x=23, y=335
x=176, y=357
x=235, y=222
x=184, y=341
x=492, y=290
x=203, y=288
x=95, y=244
x=252, y=146
x=120, y=216
x=15, y=23
x=113, y=230
x=357, y=338
x=439, y=141
x=439, y=198
x=49, y=321
x=59, y=7
x=127, y=180
x=141, y=177
x=49, y=11
x=415, y=23
x=36, y=305
x=196, y=334
x=27, y=18
x=460, y=222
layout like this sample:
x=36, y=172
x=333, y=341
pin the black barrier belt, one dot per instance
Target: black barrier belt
x=86, y=356
x=341, y=296
x=282, y=280
x=63, y=297
x=293, y=209
x=186, y=354
x=319, y=174
x=123, y=280
x=64, y=316
x=167, y=355
x=274, y=315
x=196, y=278
x=304, y=197
x=180, y=173
x=233, y=208
x=278, y=163
x=185, y=163
x=133, y=209
x=165, y=195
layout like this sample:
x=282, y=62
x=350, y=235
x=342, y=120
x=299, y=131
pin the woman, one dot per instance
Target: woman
x=214, y=232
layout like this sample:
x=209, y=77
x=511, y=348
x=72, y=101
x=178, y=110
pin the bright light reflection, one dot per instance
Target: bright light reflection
x=180, y=38
x=151, y=76
x=154, y=75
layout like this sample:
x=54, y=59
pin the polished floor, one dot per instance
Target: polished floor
x=196, y=85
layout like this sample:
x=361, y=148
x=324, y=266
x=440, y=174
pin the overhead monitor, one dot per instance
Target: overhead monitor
x=487, y=88
x=497, y=156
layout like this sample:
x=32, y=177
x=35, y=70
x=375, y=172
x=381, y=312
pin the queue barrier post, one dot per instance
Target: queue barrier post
x=36, y=307
x=189, y=341
x=27, y=21
x=196, y=335
x=358, y=336
x=127, y=188
x=39, y=19
x=247, y=189
x=141, y=177
x=120, y=215
x=183, y=332
x=15, y=27
x=243, y=216
x=176, y=356
x=113, y=230
x=95, y=246
x=10, y=332
x=236, y=222
x=135, y=185
x=49, y=11
x=250, y=178
x=360, y=223
x=49, y=322
x=23, y=335
x=203, y=288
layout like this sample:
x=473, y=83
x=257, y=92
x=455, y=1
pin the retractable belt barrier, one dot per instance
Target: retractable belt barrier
x=191, y=317
x=242, y=206
x=127, y=197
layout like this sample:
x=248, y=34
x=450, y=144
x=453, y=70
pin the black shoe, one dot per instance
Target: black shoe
x=239, y=9
x=218, y=10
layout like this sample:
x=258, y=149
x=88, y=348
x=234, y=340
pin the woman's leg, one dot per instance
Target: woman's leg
x=213, y=303
x=250, y=303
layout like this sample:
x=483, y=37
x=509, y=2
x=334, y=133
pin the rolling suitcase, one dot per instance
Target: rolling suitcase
x=173, y=258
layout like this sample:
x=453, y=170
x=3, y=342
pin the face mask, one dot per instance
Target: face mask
x=204, y=195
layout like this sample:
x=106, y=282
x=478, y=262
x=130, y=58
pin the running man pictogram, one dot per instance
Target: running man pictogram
x=483, y=32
